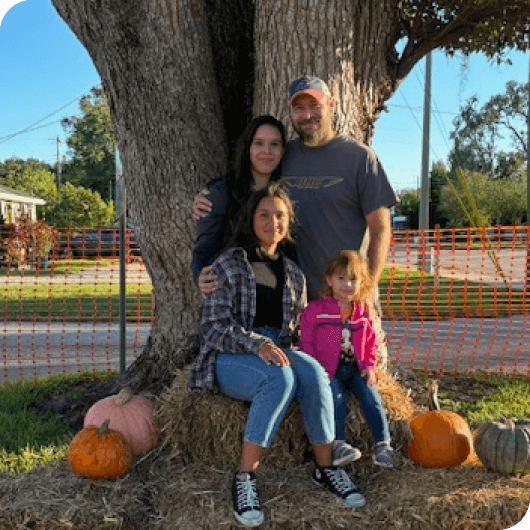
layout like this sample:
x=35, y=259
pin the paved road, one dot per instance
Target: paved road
x=31, y=350
x=37, y=349
x=495, y=268
x=490, y=344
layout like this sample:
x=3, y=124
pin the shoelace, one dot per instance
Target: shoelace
x=247, y=497
x=340, y=480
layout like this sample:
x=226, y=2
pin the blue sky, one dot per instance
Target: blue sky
x=44, y=71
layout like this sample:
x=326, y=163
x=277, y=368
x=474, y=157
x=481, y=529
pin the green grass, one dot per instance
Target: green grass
x=406, y=294
x=61, y=267
x=75, y=302
x=511, y=399
x=27, y=438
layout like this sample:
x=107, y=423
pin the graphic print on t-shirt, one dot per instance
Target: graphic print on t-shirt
x=312, y=183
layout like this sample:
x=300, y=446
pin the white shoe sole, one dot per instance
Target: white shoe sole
x=249, y=524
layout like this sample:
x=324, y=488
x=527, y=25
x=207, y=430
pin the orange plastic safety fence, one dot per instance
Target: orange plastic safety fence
x=60, y=310
x=457, y=300
x=453, y=300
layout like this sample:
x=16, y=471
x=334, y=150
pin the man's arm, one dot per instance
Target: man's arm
x=380, y=228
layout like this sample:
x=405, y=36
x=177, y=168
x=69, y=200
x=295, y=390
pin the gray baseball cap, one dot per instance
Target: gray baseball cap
x=308, y=84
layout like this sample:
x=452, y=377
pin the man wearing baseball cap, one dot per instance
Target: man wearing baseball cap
x=338, y=185
x=311, y=107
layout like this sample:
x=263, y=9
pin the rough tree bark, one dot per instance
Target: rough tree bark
x=347, y=43
x=158, y=70
x=182, y=78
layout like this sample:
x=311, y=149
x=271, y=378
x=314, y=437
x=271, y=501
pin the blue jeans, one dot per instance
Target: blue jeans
x=270, y=389
x=348, y=376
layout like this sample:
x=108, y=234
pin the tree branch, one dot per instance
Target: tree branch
x=489, y=26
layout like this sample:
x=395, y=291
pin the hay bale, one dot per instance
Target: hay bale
x=54, y=498
x=410, y=497
x=160, y=494
x=207, y=428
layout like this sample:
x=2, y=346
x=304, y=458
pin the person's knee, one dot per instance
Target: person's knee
x=284, y=380
x=313, y=375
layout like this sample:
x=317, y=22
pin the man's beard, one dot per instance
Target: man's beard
x=312, y=139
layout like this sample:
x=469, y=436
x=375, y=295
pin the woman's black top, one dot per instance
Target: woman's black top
x=270, y=278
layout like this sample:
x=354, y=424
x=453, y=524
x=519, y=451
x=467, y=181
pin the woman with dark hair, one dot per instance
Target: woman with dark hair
x=247, y=333
x=257, y=162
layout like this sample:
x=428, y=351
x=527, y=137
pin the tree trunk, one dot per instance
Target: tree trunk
x=344, y=42
x=157, y=69
x=182, y=78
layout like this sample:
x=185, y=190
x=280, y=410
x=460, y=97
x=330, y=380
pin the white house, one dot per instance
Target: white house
x=14, y=203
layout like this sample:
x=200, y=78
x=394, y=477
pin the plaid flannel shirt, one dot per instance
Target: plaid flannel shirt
x=228, y=314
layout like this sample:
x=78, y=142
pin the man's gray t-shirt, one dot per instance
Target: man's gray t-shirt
x=333, y=188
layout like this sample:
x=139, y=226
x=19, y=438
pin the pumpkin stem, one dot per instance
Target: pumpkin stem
x=104, y=429
x=124, y=395
x=432, y=396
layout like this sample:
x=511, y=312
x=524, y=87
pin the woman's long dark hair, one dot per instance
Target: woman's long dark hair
x=239, y=179
x=244, y=235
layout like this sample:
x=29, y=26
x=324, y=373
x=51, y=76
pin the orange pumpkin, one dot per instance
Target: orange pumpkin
x=100, y=453
x=130, y=415
x=441, y=438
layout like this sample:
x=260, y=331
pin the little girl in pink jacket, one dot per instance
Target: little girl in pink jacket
x=338, y=333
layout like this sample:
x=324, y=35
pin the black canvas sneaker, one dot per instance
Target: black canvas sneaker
x=247, y=509
x=337, y=481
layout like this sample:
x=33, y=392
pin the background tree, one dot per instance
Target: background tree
x=438, y=179
x=91, y=143
x=510, y=195
x=480, y=187
x=498, y=201
x=80, y=207
x=481, y=134
x=72, y=205
x=182, y=77
x=409, y=206
x=33, y=177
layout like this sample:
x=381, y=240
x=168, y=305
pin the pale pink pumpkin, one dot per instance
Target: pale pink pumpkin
x=130, y=415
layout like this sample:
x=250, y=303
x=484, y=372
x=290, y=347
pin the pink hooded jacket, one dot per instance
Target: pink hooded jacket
x=321, y=335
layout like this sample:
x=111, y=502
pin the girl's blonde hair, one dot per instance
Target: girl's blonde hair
x=354, y=265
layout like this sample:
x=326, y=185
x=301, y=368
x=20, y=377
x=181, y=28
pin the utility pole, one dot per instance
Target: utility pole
x=424, y=196
x=425, y=255
x=527, y=283
x=528, y=155
x=121, y=210
x=59, y=183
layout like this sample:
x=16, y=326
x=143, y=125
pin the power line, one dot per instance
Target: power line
x=411, y=110
x=417, y=109
x=418, y=123
x=437, y=113
x=33, y=127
